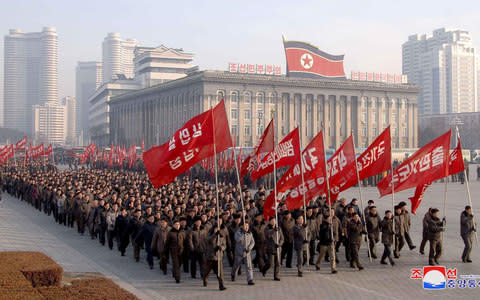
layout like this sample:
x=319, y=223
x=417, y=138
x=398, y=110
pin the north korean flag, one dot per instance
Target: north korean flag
x=305, y=60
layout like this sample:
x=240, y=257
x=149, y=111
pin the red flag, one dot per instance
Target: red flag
x=418, y=196
x=28, y=153
x=49, y=150
x=455, y=163
x=313, y=157
x=428, y=164
x=110, y=157
x=143, y=143
x=20, y=145
x=376, y=159
x=265, y=144
x=6, y=153
x=189, y=145
x=341, y=168
x=286, y=153
x=37, y=151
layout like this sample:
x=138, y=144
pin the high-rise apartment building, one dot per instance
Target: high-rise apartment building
x=160, y=64
x=88, y=79
x=70, y=119
x=118, y=56
x=49, y=122
x=443, y=65
x=30, y=75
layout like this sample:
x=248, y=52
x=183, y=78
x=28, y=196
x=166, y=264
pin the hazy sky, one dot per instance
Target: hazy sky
x=368, y=32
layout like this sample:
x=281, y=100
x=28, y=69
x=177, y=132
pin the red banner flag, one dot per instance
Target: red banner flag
x=37, y=151
x=110, y=157
x=428, y=164
x=418, y=196
x=265, y=144
x=49, y=150
x=6, y=153
x=28, y=153
x=313, y=157
x=341, y=168
x=286, y=153
x=455, y=163
x=189, y=145
x=20, y=145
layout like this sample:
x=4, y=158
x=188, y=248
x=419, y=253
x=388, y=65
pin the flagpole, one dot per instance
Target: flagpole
x=334, y=253
x=361, y=201
x=275, y=184
x=303, y=194
x=467, y=186
x=445, y=199
x=393, y=190
x=216, y=186
x=14, y=158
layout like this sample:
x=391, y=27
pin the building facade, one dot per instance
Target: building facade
x=161, y=64
x=117, y=56
x=443, y=65
x=70, y=119
x=88, y=77
x=344, y=106
x=50, y=123
x=99, y=109
x=30, y=75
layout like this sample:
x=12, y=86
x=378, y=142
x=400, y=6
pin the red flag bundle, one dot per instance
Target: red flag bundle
x=190, y=144
x=428, y=164
x=49, y=150
x=6, y=153
x=37, y=151
x=20, y=145
x=28, y=153
x=313, y=157
x=265, y=144
x=110, y=157
x=286, y=153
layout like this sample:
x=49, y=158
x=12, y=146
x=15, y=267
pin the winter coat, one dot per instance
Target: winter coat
x=146, y=234
x=159, y=239
x=287, y=228
x=271, y=239
x=466, y=224
x=354, y=231
x=300, y=241
x=197, y=239
x=434, y=228
x=175, y=242
x=373, y=226
x=387, y=231
x=216, y=244
x=244, y=242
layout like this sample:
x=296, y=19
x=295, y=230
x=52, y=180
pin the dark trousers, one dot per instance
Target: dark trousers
x=70, y=219
x=387, y=252
x=149, y=255
x=348, y=255
x=287, y=251
x=260, y=257
x=101, y=235
x=110, y=237
x=80, y=224
x=355, y=259
x=176, y=263
x=214, y=265
x=408, y=240
x=435, y=251
x=372, y=241
x=185, y=260
x=311, y=252
x=423, y=243
x=136, y=250
x=196, y=257
x=273, y=260
x=399, y=243
x=122, y=243
x=467, y=240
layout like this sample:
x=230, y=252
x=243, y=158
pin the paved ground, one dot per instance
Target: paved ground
x=24, y=228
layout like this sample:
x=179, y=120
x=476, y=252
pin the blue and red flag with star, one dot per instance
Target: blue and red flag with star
x=306, y=60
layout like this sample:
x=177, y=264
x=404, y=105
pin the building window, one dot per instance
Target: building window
x=234, y=114
x=247, y=114
x=260, y=99
x=247, y=130
x=405, y=134
x=248, y=98
x=374, y=131
x=234, y=130
x=234, y=97
x=220, y=96
x=260, y=130
x=364, y=131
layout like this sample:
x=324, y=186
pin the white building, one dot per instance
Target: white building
x=161, y=64
x=30, y=75
x=88, y=79
x=99, y=116
x=70, y=119
x=443, y=65
x=50, y=123
x=118, y=56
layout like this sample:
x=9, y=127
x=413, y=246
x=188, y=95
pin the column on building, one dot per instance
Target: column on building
x=337, y=140
x=348, y=115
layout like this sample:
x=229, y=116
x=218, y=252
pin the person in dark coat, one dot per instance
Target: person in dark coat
x=273, y=243
x=300, y=243
x=373, y=228
x=426, y=219
x=258, y=231
x=287, y=225
x=327, y=237
x=134, y=226
x=158, y=244
x=197, y=243
x=174, y=245
x=121, y=231
x=387, y=237
x=434, y=229
x=355, y=230
x=146, y=235
x=216, y=244
x=91, y=219
x=399, y=231
x=467, y=228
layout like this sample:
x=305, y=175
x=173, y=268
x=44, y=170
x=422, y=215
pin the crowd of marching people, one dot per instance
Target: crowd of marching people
x=179, y=223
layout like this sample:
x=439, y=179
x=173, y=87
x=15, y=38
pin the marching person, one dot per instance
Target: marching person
x=355, y=231
x=258, y=231
x=406, y=224
x=273, y=242
x=300, y=243
x=146, y=235
x=467, y=228
x=121, y=231
x=111, y=219
x=399, y=231
x=373, y=229
x=426, y=219
x=287, y=225
x=435, y=227
x=216, y=244
x=197, y=242
x=329, y=231
x=174, y=245
x=387, y=238
x=134, y=226
x=243, y=247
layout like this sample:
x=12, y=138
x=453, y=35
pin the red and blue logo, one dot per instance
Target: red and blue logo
x=434, y=277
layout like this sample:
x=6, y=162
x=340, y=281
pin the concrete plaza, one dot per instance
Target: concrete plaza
x=23, y=228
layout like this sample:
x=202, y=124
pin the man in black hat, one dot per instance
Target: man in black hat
x=158, y=243
x=300, y=243
x=355, y=231
x=273, y=242
x=435, y=228
x=467, y=228
x=174, y=245
x=387, y=237
x=258, y=231
x=197, y=243
x=146, y=235
x=216, y=244
x=287, y=225
x=373, y=228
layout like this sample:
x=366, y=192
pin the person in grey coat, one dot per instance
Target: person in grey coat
x=467, y=228
x=244, y=244
x=300, y=243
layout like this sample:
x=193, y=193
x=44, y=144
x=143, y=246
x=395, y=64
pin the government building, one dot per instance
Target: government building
x=342, y=106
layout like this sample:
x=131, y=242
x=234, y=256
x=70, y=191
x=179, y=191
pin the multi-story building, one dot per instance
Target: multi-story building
x=343, y=106
x=70, y=119
x=30, y=77
x=161, y=64
x=88, y=79
x=99, y=113
x=50, y=122
x=443, y=66
x=118, y=56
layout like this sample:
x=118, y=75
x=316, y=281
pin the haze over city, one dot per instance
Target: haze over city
x=369, y=33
